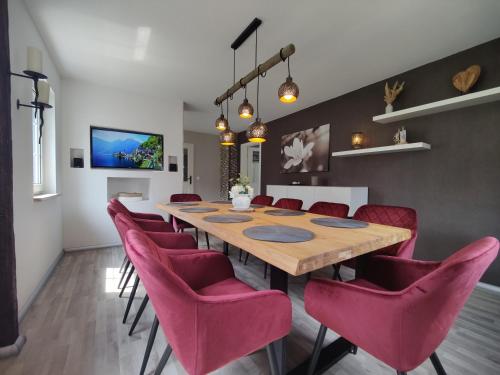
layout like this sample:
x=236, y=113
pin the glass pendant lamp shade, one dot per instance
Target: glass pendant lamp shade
x=227, y=138
x=288, y=91
x=257, y=132
x=221, y=123
x=245, y=109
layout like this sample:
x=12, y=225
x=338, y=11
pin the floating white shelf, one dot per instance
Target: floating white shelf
x=417, y=146
x=467, y=100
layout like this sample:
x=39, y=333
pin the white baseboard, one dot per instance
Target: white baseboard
x=92, y=247
x=490, y=287
x=39, y=287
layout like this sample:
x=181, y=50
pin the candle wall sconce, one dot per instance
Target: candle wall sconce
x=40, y=86
x=357, y=140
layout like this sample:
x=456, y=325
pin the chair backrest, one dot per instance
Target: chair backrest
x=174, y=302
x=265, y=200
x=119, y=206
x=434, y=301
x=185, y=198
x=330, y=209
x=289, y=204
x=402, y=217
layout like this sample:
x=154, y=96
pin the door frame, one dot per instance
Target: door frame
x=244, y=147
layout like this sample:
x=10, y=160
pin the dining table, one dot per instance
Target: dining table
x=326, y=247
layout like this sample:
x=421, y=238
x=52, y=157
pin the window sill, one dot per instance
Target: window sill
x=44, y=197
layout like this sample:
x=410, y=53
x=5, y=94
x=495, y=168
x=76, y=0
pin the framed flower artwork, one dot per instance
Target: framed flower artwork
x=306, y=151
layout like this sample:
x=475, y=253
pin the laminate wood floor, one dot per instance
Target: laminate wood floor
x=74, y=327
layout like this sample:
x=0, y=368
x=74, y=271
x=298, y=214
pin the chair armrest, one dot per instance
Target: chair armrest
x=394, y=273
x=154, y=225
x=147, y=216
x=173, y=240
x=202, y=269
x=242, y=323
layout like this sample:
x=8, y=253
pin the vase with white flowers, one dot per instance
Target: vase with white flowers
x=241, y=193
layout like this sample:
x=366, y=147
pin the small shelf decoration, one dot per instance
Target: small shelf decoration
x=463, y=101
x=417, y=146
x=357, y=139
x=463, y=81
x=400, y=136
x=391, y=94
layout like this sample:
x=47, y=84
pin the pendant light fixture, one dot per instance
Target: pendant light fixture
x=221, y=123
x=245, y=109
x=288, y=91
x=257, y=132
x=227, y=137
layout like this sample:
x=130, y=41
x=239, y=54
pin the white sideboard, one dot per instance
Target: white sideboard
x=352, y=196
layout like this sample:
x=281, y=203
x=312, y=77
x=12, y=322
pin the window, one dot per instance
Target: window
x=37, y=154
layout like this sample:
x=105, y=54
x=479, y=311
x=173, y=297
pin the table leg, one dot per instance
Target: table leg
x=279, y=280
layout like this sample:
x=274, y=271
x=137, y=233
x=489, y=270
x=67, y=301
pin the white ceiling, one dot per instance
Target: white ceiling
x=181, y=47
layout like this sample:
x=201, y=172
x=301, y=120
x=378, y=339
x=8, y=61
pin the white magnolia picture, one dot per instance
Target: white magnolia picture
x=306, y=151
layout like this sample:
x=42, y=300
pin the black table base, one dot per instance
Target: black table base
x=329, y=355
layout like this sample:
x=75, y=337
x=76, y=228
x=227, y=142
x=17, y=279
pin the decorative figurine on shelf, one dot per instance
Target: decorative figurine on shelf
x=464, y=80
x=391, y=94
x=400, y=136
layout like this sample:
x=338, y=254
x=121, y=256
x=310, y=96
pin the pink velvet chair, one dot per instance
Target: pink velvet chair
x=200, y=305
x=330, y=209
x=288, y=204
x=180, y=225
x=396, y=216
x=135, y=215
x=412, y=304
x=265, y=200
x=164, y=240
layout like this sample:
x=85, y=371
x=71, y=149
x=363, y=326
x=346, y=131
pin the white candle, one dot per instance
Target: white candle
x=43, y=92
x=34, y=60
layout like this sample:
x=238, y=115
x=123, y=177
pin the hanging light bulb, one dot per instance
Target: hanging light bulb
x=245, y=109
x=288, y=91
x=221, y=123
x=257, y=131
x=227, y=137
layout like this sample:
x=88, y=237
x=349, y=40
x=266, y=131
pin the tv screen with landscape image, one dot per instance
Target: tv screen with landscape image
x=113, y=148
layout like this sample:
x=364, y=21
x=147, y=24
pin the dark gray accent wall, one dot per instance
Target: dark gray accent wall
x=455, y=187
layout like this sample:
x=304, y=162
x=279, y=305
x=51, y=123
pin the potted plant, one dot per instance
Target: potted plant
x=241, y=193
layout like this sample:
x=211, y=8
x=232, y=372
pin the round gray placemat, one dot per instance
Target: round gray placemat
x=199, y=209
x=184, y=204
x=281, y=212
x=278, y=233
x=227, y=218
x=257, y=205
x=222, y=202
x=339, y=223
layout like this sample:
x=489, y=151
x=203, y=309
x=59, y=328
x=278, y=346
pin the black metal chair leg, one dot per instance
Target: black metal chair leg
x=265, y=270
x=151, y=340
x=317, y=349
x=124, y=273
x=196, y=233
x=139, y=314
x=437, y=364
x=241, y=253
x=131, y=298
x=246, y=259
x=401, y=372
x=127, y=280
x=336, y=272
x=271, y=356
x=208, y=242
x=163, y=360
x=123, y=263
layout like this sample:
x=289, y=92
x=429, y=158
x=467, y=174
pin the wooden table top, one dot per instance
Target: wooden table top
x=330, y=245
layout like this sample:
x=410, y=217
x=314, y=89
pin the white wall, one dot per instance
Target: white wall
x=85, y=220
x=37, y=225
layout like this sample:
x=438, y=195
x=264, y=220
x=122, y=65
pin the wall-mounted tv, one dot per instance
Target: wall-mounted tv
x=114, y=148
